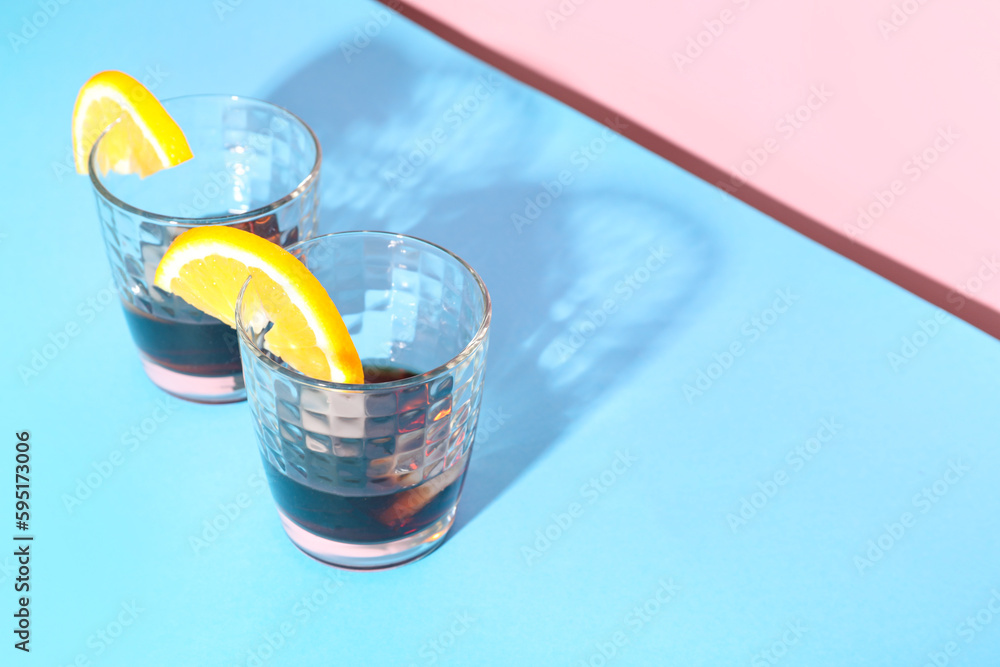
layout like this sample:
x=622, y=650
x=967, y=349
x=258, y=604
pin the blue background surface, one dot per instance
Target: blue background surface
x=584, y=370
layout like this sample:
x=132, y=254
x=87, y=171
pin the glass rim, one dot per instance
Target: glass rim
x=178, y=221
x=474, y=343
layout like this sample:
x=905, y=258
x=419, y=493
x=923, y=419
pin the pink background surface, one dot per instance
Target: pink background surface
x=713, y=85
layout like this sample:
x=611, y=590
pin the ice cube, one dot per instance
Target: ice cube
x=409, y=502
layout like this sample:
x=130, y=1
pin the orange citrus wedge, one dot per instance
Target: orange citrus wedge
x=144, y=141
x=207, y=266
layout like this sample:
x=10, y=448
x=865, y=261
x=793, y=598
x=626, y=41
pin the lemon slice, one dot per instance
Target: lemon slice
x=146, y=139
x=207, y=266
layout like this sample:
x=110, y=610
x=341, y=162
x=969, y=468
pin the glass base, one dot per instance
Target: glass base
x=197, y=388
x=377, y=556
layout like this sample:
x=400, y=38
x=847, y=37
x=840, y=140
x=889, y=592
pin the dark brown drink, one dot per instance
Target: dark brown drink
x=208, y=349
x=370, y=518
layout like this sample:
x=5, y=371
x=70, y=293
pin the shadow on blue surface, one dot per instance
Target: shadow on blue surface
x=442, y=154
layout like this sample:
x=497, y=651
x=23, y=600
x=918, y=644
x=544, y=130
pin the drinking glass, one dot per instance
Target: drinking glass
x=255, y=167
x=368, y=476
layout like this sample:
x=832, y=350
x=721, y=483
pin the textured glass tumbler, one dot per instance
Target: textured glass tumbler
x=255, y=167
x=368, y=476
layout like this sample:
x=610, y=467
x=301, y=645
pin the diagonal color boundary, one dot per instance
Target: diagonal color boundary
x=969, y=309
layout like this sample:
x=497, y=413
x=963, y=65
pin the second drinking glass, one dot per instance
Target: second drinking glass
x=367, y=476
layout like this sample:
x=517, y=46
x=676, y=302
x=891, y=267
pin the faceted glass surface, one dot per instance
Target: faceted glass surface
x=370, y=464
x=256, y=168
